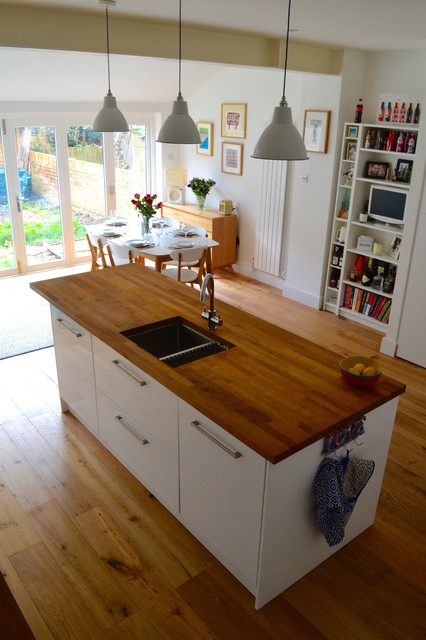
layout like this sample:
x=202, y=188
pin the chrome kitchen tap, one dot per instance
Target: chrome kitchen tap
x=214, y=321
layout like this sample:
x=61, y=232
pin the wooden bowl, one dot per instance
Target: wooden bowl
x=358, y=379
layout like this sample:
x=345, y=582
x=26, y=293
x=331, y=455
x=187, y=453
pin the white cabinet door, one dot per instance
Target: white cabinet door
x=142, y=397
x=222, y=484
x=74, y=361
x=149, y=461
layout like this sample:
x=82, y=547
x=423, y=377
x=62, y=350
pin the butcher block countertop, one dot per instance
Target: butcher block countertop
x=275, y=391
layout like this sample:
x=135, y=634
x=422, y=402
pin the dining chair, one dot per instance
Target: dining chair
x=182, y=272
x=97, y=252
x=119, y=254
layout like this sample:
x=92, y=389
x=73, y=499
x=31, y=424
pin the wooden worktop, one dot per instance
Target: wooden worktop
x=275, y=391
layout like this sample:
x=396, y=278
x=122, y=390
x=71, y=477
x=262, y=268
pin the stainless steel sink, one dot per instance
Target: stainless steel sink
x=176, y=341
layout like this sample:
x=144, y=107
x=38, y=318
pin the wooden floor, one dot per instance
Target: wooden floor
x=88, y=553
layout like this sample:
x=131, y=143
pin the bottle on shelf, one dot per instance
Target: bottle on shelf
x=381, y=115
x=343, y=213
x=411, y=147
x=395, y=112
x=389, y=280
x=368, y=275
x=401, y=117
x=334, y=281
x=405, y=145
x=378, y=279
x=367, y=143
x=388, y=113
x=357, y=269
x=409, y=113
x=358, y=111
x=391, y=141
x=400, y=142
x=416, y=114
x=337, y=257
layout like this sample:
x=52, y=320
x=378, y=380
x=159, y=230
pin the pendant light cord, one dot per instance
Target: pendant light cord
x=107, y=40
x=283, y=102
x=180, y=49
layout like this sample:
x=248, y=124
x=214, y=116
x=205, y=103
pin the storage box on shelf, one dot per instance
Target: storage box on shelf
x=374, y=227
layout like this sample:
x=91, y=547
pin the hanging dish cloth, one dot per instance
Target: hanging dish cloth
x=338, y=485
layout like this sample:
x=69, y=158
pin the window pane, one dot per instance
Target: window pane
x=87, y=182
x=7, y=254
x=130, y=168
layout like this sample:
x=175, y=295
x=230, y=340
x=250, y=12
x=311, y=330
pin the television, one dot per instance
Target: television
x=387, y=205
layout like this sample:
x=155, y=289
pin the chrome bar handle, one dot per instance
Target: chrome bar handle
x=66, y=326
x=130, y=430
x=129, y=373
x=234, y=454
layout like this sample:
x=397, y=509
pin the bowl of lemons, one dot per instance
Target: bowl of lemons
x=360, y=370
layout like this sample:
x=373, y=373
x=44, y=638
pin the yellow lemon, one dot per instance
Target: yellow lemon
x=359, y=367
x=369, y=371
x=353, y=371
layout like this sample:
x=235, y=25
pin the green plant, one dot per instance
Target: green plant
x=200, y=186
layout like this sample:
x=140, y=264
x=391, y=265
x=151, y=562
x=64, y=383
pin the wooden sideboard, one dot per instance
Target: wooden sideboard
x=219, y=227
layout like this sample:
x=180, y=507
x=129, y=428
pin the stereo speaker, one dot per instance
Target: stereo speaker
x=176, y=195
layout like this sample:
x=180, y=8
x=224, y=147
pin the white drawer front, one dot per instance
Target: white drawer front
x=221, y=485
x=74, y=361
x=140, y=396
x=146, y=458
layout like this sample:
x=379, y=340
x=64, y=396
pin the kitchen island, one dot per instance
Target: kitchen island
x=238, y=435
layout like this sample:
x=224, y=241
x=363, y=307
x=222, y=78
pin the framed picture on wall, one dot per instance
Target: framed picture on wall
x=206, y=134
x=315, y=131
x=233, y=120
x=232, y=158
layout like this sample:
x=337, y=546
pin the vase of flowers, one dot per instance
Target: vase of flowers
x=146, y=208
x=201, y=189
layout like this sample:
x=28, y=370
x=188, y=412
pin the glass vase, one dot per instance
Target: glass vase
x=201, y=202
x=145, y=231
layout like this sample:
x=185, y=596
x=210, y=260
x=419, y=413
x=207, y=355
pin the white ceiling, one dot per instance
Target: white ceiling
x=370, y=25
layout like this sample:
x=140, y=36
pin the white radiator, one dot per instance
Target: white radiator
x=270, y=220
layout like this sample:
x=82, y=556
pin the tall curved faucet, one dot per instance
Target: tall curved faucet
x=213, y=320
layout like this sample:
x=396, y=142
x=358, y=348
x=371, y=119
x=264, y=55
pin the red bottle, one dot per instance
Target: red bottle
x=358, y=111
x=395, y=112
x=401, y=117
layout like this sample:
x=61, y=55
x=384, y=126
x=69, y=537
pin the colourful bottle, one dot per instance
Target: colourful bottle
x=388, y=114
x=381, y=116
x=409, y=113
x=411, y=144
x=358, y=111
x=400, y=142
x=416, y=116
x=395, y=112
x=401, y=117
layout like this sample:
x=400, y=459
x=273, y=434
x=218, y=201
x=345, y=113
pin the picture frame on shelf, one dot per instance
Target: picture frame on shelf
x=403, y=171
x=351, y=149
x=395, y=247
x=352, y=131
x=233, y=120
x=232, y=158
x=315, y=130
x=376, y=170
x=206, y=135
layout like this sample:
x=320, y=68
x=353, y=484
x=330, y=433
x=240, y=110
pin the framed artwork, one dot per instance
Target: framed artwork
x=377, y=170
x=351, y=148
x=395, y=247
x=232, y=158
x=315, y=130
x=352, y=131
x=233, y=120
x=403, y=171
x=206, y=134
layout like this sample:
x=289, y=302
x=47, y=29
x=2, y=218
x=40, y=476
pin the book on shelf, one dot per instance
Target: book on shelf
x=379, y=307
x=384, y=314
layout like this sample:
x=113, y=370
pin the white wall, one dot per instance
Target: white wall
x=308, y=204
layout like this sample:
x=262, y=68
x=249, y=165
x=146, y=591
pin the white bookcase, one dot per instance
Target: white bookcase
x=342, y=294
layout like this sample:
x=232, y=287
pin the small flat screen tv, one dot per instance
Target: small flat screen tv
x=387, y=205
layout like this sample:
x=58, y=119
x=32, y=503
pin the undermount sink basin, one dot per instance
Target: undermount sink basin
x=176, y=341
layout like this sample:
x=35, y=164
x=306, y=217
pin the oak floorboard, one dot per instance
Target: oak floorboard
x=372, y=589
x=16, y=530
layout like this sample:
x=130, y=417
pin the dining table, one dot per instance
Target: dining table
x=155, y=246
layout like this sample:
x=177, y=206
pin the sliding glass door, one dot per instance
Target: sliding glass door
x=55, y=179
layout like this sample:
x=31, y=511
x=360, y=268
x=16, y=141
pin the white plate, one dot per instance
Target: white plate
x=182, y=232
x=139, y=244
x=109, y=232
x=183, y=244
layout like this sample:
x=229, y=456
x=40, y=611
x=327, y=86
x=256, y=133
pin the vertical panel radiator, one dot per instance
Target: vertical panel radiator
x=270, y=219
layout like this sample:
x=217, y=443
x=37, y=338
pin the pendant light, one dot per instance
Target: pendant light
x=281, y=140
x=109, y=117
x=179, y=128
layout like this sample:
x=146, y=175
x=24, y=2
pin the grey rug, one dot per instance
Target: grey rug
x=24, y=324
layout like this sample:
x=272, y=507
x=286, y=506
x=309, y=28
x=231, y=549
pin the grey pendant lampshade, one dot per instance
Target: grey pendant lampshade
x=109, y=117
x=179, y=128
x=281, y=140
